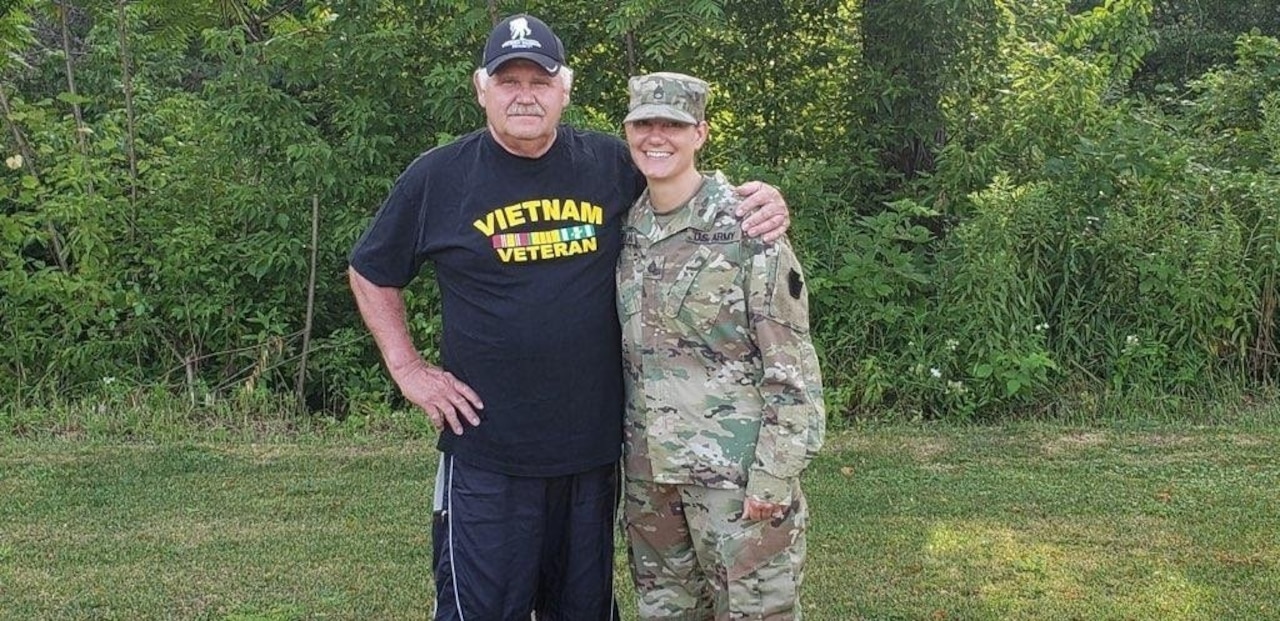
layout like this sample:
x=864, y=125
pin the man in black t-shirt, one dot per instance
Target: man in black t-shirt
x=522, y=222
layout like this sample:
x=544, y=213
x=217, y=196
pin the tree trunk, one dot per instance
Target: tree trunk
x=311, y=301
x=126, y=75
x=82, y=140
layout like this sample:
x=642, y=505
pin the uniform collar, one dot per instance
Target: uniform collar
x=699, y=212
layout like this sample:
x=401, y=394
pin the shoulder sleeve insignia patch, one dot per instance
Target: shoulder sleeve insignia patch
x=795, y=284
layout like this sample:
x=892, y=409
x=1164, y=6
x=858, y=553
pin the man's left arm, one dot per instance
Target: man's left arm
x=765, y=211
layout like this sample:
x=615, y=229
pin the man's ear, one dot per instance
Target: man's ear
x=478, y=82
x=704, y=130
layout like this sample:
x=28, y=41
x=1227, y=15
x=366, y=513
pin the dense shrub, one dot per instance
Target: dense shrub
x=992, y=226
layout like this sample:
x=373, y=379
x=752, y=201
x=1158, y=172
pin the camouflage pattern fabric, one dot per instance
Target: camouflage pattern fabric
x=724, y=400
x=693, y=558
x=723, y=385
x=666, y=95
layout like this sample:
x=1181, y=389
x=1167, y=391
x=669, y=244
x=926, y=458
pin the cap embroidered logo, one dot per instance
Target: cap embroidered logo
x=520, y=32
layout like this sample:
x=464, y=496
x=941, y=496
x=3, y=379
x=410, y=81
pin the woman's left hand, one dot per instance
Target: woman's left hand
x=755, y=509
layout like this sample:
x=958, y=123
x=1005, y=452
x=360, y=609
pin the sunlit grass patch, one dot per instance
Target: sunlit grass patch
x=1039, y=521
x=1016, y=573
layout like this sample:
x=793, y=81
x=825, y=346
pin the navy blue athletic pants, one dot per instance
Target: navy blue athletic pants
x=505, y=546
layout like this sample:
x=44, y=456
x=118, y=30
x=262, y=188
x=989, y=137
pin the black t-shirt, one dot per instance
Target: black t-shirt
x=524, y=252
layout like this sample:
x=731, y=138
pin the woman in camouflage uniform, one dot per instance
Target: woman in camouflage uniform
x=724, y=394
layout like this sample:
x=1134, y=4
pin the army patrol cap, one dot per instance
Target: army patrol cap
x=665, y=95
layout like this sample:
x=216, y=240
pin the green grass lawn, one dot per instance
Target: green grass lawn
x=936, y=522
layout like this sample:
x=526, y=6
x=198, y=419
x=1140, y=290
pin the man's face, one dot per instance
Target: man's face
x=523, y=104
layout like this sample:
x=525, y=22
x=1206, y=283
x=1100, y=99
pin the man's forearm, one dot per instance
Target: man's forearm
x=382, y=309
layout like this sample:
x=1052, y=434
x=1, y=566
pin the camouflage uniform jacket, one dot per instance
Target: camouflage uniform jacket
x=723, y=385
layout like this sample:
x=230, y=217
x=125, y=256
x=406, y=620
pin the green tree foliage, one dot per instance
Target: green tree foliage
x=1194, y=37
x=1190, y=37
x=915, y=54
x=993, y=219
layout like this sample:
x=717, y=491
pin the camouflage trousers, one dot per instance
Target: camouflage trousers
x=694, y=558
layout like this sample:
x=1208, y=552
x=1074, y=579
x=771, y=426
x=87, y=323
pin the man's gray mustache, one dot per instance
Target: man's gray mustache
x=526, y=111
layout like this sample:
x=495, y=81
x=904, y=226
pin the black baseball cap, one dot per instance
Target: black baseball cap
x=523, y=36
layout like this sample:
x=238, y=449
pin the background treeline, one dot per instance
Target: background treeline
x=1005, y=206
